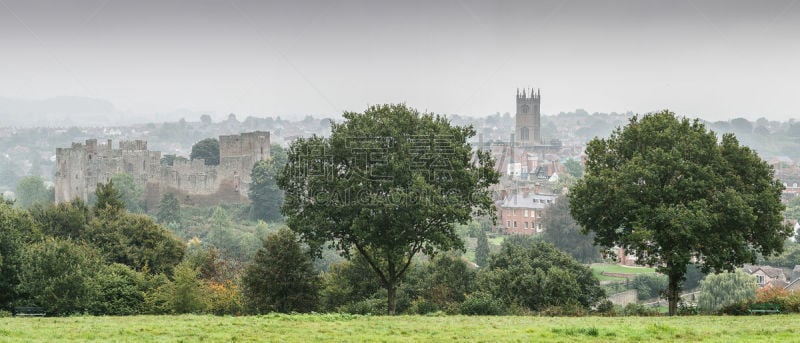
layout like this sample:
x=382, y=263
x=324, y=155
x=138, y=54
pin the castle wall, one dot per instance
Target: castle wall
x=80, y=168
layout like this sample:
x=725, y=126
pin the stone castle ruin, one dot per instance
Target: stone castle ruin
x=81, y=167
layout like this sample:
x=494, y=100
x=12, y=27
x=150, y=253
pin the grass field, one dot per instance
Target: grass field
x=597, y=269
x=347, y=328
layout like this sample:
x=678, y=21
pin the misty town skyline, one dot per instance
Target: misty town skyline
x=707, y=59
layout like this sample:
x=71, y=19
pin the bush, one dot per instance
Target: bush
x=789, y=302
x=737, y=309
x=605, y=307
x=568, y=310
x=685, y=309
x=482, y=304
x=634, y=309
x=374, y=306
x=4, y=314
x=423, y=306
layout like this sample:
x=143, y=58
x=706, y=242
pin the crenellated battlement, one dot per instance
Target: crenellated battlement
x=82, y=166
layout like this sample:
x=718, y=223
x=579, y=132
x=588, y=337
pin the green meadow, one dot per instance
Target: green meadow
x=351, y=328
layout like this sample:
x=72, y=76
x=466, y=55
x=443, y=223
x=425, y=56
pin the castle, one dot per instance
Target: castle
x=81, y=167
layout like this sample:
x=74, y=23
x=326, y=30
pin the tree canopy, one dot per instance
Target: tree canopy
x=207, y=149
x=388, y=183
x=720, y=290
x=535, y=275
x=265, y=195
x=566, y=235
x=668, y=191
x=281, y=278
x=31, y=190
x=169, y=209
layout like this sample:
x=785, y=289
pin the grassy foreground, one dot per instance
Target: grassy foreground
x=338, y=328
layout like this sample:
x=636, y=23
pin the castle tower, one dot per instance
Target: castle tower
x=528, y=118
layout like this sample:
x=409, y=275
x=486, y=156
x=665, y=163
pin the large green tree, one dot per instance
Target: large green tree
x=57, y=275
x=563, y=232
x=281, y=278
x=388, y=183
x=265, y=195
x=208, y=150
x=720, y=290
x=169, y=209
x=108, y=198
x=16, y=232
x=129, y=192
x=669, y=191
x=482, y=249
x=31, y=190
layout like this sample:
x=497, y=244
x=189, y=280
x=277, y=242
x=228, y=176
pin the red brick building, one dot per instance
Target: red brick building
x=522, y=213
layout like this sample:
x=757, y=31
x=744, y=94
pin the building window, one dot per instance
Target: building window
x=524, y=134
x=760, y=279
x=508, y=223
x=526, y=213
x=515, y=223
x=526, y=225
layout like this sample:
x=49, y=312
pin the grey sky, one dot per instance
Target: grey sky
x=712, y=59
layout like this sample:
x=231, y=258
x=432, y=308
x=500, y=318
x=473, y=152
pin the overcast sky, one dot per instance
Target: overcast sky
x=712, y=59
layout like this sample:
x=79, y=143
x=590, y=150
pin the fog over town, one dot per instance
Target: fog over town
x=133, y=62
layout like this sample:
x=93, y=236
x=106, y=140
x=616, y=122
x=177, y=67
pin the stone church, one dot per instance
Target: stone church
x=81, y=167
x=528, y=118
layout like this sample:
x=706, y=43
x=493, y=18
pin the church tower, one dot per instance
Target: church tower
x=528, y=128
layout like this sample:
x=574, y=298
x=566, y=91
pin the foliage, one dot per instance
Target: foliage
x=694, y=274
x=668, y=191
x=129, y=192
x=649, y=286
x=483, y=304
x=446, y=281
x=388, y=183
x=721, y=290
x=31, y=190
x=573, y=168
x=65, y=220
x=789, y=258
x=169, y=209
x=634, y=309
x=348, y=282
x=134, y=240
x=115, y=291
x=565, y=234
x=265, y=195
x=224, y=298
x=169, y=159
x=482, y=250
x=57, y=274
x=208, y=150
x=536, y=276
x=16, y=230
x=281, y=278
x=108, y=197
x=187, y=291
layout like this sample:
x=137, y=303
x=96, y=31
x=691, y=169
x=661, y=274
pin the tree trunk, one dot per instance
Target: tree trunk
x=673, y=293
x=392, y=295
